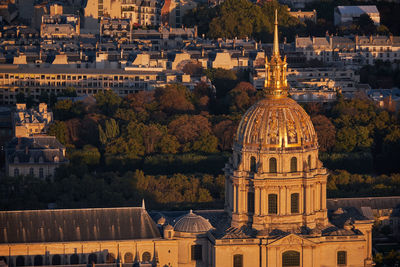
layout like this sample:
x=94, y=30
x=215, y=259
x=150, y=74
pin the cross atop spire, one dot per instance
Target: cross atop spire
x=275, y=85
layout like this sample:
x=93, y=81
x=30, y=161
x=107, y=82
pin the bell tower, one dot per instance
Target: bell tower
x=274, y=180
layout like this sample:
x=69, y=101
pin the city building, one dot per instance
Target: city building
x=347, y=14
x=275, y=209
x=29, y=122
x=304, y=15
x=139, y=12
x=372, y=48
x=37, y=156
x=172, y=12
x=60, y=27
x=115, y=30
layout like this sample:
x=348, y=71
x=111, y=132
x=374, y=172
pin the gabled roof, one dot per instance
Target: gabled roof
x=76, y=225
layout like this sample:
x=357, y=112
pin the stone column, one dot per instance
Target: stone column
x=234, y=198
x=301, y=199
x=288, y=202
x=257, y=203
x=323, y=194
x=317, y=196
x=308, y=199
x=263, y=202
x=242, y=199
x=279, y=201
x=369, y=245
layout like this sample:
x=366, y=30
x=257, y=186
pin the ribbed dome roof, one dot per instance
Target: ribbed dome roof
x=192, y=223
x=275, y=123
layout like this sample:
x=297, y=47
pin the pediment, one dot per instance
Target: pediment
x=292, y=239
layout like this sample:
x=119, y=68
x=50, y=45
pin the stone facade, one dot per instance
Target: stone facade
x=37, y=156
x=27, y=122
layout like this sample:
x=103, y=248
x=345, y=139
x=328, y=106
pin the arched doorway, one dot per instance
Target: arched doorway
x=56, y=260
x=74, y=259
x=128, y=258
x=92, y=258
x=110, y=258
x=20, y=261
x=38, y=260
x=146, y=257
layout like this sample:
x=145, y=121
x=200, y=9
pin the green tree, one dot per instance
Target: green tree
x=108, y=102
x=59, y=130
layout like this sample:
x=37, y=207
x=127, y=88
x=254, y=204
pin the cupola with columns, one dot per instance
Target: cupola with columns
x=274, y=180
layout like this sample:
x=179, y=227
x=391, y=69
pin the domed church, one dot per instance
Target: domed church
x=275, y=209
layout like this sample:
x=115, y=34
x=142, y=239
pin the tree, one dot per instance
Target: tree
x=225, y=131
x=108, y=102
x=325, y=132
x=174, y=98
x=168, y=144
x=59, y=130
x=206, y=142
x=187, y=128
x=194, y=69
x=346, y=139
x=151, y=136
x=223, y=80
x=240, y=98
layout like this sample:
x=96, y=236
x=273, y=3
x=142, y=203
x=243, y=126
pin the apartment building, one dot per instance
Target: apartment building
x=139, y=12
x=60, y=27
x=372, y=48
x=34, y=81
x=353, y=52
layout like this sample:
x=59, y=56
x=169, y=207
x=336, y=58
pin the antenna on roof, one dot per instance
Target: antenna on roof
x=143, y=205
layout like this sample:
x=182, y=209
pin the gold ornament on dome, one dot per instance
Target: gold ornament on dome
x=276, y=121
x=275, y=85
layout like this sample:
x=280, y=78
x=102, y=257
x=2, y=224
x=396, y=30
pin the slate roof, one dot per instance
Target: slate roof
x=35, y=149
x=373, y=202
x=76, y=225
x=357, y=10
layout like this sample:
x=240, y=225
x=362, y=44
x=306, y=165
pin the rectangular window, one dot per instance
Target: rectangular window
x=272, y=203
x=342, y=258
x=197, y=253
x=294, y=199
x=238, y=260
x=250, y=202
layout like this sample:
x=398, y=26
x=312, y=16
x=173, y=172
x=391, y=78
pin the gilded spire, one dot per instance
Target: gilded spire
x=275, y=85
x=276, y=39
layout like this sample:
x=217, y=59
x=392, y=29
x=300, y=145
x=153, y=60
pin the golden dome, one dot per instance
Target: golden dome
x=276, y=123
